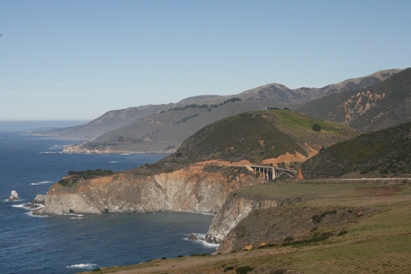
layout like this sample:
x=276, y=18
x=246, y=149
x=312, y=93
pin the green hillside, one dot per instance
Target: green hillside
x=259, y=135
x=376, y=154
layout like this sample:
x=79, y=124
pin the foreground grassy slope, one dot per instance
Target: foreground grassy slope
x=376, y=154
x=367, y=228
x=259, y=135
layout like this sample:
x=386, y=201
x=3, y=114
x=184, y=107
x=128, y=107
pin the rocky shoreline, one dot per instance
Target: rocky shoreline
x=79, y=149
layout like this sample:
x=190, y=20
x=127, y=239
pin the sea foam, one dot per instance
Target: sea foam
x=201, y=240
x=82, y=266
x=114, y=162
x=19, y=206
x=30, y=213
x=42, y=183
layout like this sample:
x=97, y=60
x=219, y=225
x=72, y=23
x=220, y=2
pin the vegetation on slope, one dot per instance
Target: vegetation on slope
x=384, y=153
x=381, y=106
x=74, y=176
x=351, y=227
x=259, y=135
x=165, y=131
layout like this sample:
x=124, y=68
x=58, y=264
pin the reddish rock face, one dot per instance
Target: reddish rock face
x=189, y=189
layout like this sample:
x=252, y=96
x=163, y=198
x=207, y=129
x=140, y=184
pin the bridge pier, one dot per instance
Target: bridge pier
x=270, y=173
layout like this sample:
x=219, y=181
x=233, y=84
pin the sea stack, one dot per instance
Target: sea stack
x=13, y=196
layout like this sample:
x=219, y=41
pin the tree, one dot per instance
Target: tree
x=316, y=127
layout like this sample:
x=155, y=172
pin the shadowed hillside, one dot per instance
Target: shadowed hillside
x=110, y=120
x=165, y=131
x=381, y=106
x=383, y=153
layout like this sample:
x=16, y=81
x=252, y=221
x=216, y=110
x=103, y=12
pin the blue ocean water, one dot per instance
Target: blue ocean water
x=29, y=244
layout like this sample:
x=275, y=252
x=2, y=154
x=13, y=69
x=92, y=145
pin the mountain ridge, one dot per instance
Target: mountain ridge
x=274, y=95
x=381, y=106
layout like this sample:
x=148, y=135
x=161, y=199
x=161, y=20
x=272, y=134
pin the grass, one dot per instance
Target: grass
x=381, y=255
x=306, y=189
x=379, y=243
x=385, y=153
x=302, y=125
x=258, y=135
x=76, y=176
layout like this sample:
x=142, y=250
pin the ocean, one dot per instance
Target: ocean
x=63, y=244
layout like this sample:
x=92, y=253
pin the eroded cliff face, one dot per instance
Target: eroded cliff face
x=235, y=209
x=189, y=189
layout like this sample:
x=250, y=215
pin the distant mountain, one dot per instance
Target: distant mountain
x=280, y=93
x=111, y=120
x=382, y=153
x=131, y=130
x=381, y=106
x=165, y=131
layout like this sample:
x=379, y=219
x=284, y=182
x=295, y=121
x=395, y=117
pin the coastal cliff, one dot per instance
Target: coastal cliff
x=237, y=207
x=191, y=189
x=205, y=169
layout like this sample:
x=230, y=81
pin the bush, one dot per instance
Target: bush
x=316, y=127
x=244, y=270
x=76, y=176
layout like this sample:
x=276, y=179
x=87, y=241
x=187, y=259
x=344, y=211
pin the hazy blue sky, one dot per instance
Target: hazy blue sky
x=79, y=59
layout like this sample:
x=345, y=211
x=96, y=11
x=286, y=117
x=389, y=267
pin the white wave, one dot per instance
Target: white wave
x=14, y=201
x=56, y=147
x=42, y=183
x=29, y=206
x=206, y=244
x=82, y=266
x=50, y=152
x=201, y=240
x=19, y=206
x=35, y=215
x=113, y=162
x=209, y=214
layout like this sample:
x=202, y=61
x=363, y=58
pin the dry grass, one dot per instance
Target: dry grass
x=380, y=243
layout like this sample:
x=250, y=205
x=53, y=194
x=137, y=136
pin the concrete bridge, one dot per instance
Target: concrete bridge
x=271, y=172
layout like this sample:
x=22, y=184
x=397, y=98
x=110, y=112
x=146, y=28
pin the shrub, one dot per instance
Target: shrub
x=316, y=127
x=228, y=268
x=244, y=270
x=76, y=176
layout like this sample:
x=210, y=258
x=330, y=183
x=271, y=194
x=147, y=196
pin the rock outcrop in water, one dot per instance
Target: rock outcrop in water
x=13, y=196
x=190, y=189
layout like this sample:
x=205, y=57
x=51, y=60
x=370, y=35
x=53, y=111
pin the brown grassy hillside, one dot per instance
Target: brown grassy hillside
x=381, y=106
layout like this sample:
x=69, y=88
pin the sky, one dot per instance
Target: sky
x=77, y=59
